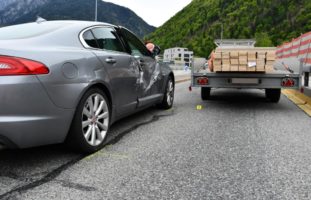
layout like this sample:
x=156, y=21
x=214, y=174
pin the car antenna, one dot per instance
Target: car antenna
x=40, y=20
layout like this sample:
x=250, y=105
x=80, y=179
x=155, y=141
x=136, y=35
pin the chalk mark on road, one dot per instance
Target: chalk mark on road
x=55, y=173
x=76, y=186
x=153, y=119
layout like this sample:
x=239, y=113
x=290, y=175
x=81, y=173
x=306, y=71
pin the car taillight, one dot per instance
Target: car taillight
x=10, y=66
x=202, y=81
x=288, y=82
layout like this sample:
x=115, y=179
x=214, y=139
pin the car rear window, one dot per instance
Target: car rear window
x=29, y=30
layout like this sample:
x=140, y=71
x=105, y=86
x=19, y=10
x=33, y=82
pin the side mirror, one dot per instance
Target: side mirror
x=156, y=50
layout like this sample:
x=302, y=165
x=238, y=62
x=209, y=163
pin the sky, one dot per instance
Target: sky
x=154, y=12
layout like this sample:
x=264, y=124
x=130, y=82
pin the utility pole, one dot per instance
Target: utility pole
x=95, y=10
x=222, y=31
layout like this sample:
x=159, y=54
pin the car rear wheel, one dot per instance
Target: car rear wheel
x=91, y=122
x=168, y=98
x=273, y=95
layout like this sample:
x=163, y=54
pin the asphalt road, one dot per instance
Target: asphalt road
x=239, y=146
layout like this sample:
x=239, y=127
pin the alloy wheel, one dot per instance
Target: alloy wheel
x=95, y=119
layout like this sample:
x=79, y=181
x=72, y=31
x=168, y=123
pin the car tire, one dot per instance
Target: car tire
x=168, y=98
x=90, y=124
x=273, y=95
x=205, y=93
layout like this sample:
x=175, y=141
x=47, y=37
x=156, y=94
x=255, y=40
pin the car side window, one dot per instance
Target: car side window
x=107, y=39
x=136, y=46
x=89, y=39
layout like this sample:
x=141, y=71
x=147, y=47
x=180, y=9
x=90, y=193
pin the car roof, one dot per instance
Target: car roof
x=60, y=32
x=75, y=23
x=54, y=27
x=67, y=23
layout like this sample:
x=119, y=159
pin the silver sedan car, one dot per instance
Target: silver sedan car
x=68, y=81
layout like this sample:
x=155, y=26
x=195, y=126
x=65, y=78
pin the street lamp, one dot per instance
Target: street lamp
x=221, y=30
x=95, y=10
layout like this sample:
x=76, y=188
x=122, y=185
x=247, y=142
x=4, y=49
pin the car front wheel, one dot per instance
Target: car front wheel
x=90, y=124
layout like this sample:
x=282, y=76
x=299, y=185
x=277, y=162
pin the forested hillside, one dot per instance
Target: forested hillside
x=270, y=22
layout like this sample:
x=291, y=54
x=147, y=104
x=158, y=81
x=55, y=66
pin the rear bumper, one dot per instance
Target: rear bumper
x=27, y=115
x=265, y=80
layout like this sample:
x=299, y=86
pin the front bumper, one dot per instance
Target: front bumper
x=27, y=115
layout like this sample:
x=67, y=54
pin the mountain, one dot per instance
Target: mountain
x=22, y=11
x=270, y=22
x=12, y=10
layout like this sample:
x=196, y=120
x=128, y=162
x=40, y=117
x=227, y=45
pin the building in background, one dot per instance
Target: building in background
x=178, y=56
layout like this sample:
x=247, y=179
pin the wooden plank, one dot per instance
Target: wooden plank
x=242, y=53
x=251, y=69
x=225, y=67
x=271, y=56
x=242, y=68
x=234, y=68
x=217, y=68
x=260, y=69
x=218, y=61
x=251, y=55
x=270, y=62
x=225, y=55
x=261, y=56
x=234, y=61
x=217, y=55
x=226, y=61
x=234, y=54
x=260, y=63
x=269, y=68
x=243, y=60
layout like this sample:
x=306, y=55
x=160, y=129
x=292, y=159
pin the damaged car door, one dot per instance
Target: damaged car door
x=122, y=69
x=150, y=70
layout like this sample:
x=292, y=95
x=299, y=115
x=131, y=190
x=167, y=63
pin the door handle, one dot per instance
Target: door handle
x=139, y=59
x=110, y=60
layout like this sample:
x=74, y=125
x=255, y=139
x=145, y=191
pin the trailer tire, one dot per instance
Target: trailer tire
x=205, y=93
x=273, y=95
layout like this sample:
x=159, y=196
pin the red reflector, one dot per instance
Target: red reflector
x=288, y=82
x=20, y=66
x=202, y=81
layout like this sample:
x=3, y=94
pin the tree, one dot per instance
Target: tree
x=263, y=40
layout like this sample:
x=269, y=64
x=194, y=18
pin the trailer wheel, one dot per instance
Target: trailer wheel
x=273, y=95
x=205, y=93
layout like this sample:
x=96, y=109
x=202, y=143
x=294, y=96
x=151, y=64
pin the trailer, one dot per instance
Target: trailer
x=281, y=75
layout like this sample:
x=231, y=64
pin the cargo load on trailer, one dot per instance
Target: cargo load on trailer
x=241, y=56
